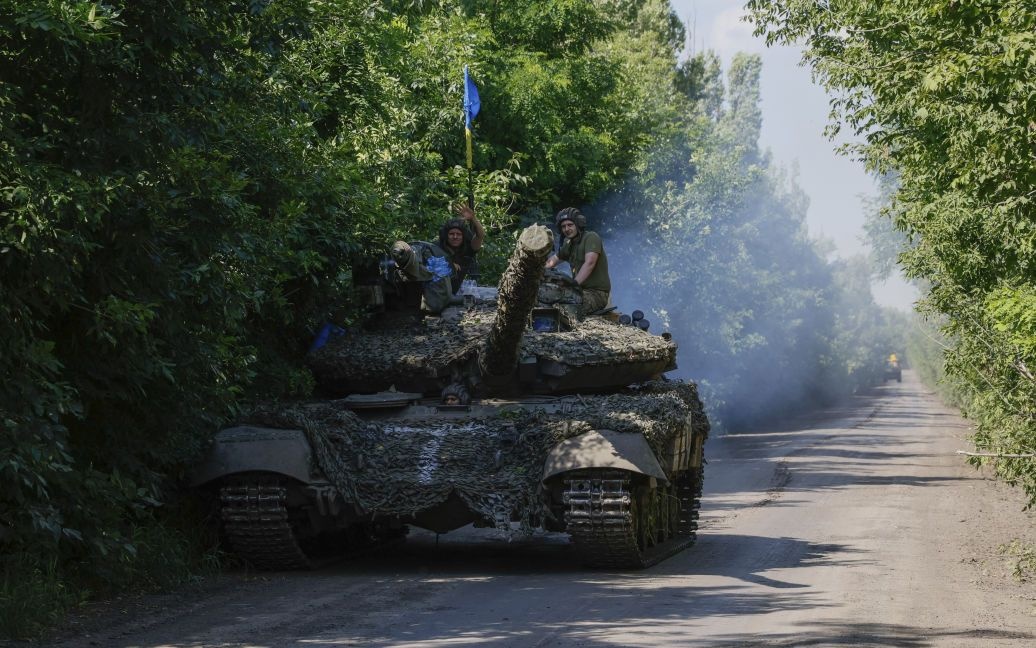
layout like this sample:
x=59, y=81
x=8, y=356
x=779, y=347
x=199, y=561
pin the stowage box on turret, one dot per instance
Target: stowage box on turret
x=572, y=428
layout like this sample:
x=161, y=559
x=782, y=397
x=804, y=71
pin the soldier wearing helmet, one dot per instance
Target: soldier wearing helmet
x=461, y=238
x=584, y=251
x=455, y=394
x=424, y=264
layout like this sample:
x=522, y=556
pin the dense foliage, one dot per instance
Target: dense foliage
x=184, y=187
x=942, y=94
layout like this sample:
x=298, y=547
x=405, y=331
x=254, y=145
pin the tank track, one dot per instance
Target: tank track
x=689, y=489
x=256, y=523
x=600, y=518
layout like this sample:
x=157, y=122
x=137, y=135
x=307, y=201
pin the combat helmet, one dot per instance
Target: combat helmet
x=402, y=253
x=571, y=214
x=457, y=392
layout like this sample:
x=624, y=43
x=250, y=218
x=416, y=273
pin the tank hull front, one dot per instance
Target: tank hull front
x=330, y=471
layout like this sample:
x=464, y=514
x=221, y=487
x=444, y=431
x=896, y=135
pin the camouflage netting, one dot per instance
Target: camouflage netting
x=367, y=361
x=597, y=341
x=373, y=360
x=494, y=464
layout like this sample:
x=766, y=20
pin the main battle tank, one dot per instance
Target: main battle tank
x=573, y=429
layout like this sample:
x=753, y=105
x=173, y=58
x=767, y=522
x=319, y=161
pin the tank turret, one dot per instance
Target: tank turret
x=478, y=345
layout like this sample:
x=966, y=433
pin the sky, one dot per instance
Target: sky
x=795, y=112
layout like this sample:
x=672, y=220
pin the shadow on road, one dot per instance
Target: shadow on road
x=870, y=634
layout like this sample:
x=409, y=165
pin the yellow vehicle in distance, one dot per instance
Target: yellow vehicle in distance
x=892, y=368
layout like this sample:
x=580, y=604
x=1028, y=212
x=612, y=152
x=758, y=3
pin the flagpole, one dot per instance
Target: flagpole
x=471, y=181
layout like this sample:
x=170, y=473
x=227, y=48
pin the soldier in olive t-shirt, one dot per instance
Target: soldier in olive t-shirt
x=584, y=251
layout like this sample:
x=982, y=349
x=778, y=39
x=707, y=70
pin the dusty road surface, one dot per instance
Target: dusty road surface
x=855, y=527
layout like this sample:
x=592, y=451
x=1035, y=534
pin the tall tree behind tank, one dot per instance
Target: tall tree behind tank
x=720, y=239
x=572, y=94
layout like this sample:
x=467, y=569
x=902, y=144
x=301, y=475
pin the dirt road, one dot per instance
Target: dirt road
x=856, y=527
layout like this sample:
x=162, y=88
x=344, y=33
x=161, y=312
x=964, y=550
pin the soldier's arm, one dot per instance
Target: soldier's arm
x=479, y=232
x=589, y=263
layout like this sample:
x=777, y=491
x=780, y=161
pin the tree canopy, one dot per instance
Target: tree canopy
x=941, y=94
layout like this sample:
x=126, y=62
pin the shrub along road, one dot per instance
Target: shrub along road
x=858, y=527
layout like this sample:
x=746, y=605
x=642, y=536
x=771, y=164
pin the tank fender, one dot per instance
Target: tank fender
x=256, y=449
x=604, y=449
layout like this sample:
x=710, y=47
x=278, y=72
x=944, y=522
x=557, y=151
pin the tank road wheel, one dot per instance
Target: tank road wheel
x=615, y=521
x=258, y=526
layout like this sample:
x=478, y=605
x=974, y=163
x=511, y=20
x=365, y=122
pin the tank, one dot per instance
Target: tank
x=505, y=410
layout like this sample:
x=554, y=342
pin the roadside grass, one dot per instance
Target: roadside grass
x=37, y=591
x=1023, y=556
x=33, y=595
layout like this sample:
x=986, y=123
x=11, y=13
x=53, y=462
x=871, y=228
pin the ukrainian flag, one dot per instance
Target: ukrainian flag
x=471, y=106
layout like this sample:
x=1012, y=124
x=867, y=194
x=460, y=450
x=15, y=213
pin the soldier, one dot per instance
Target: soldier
x=461, y=238
x=455, y=394
x=426, y=264
x=584, y=251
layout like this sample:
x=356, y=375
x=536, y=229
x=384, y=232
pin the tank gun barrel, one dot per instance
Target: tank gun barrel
x=515, y=300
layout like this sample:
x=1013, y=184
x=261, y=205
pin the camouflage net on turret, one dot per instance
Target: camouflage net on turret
x=596, y=341
x=400, y=356
x=494, y=464
x=368, y=361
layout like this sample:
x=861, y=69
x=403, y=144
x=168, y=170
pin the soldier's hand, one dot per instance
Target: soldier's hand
x=464, y=211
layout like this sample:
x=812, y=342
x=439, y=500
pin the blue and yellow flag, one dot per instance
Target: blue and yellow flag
x=471, y=106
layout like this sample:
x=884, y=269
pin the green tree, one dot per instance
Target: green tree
x=942, y=94
x=174, y=223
